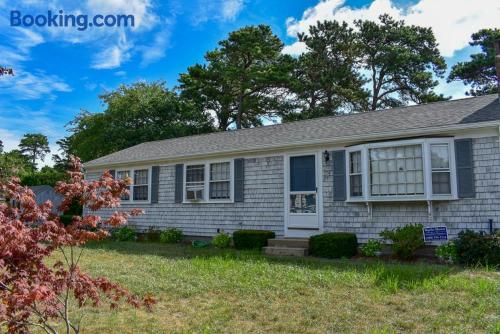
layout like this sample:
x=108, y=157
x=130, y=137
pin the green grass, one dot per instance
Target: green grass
x=227, y=291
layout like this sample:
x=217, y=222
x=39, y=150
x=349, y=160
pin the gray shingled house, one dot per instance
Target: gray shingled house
x=436, y=164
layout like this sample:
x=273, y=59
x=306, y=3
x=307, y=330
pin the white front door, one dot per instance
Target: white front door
x=302, y=196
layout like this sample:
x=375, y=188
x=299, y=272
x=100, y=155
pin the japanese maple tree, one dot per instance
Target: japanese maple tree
x=35, y=294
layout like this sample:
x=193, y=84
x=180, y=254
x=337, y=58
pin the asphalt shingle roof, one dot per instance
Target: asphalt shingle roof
x=325, y=129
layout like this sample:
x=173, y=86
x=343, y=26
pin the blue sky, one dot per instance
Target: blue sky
x=60, y=71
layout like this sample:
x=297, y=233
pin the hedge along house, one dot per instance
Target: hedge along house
x=435, y=164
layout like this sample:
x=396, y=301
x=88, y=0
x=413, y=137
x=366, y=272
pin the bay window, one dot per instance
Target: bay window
x=209, y=182
x=420, y=169
x=139, y=189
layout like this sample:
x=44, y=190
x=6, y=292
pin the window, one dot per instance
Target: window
x=195, y=182
x=122, y=175
x=209, y=182
x=396, y=171
x=141, y=185
x=440, y=164
x=220, y=180
x=355, y=174
x=139, y=190
x=419, y=169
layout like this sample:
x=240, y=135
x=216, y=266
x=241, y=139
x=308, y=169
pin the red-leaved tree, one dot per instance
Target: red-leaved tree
x=34, y=294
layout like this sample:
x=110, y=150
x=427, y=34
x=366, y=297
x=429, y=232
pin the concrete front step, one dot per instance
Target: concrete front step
x=289, y=242
x=285, y=251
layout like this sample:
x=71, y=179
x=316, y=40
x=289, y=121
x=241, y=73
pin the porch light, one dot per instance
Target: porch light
x=326, y=155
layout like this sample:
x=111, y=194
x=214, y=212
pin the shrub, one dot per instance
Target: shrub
x=152, y=234
x=171, y=236
x=333, y=245
x=447, y=252
x=371, y=248
x=405, y=240
x=66, y=219
x=251, y=239
x=123, y=234
x=221, y=240
x=473, y=248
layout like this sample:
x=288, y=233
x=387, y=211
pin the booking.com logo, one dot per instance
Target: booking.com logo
x=81, y=21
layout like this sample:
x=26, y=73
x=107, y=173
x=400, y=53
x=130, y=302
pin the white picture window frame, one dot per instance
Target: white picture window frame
x=207, y=181
x=131, y=173
x=428, y=194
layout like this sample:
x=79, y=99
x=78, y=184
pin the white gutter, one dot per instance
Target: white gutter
x=316, y=142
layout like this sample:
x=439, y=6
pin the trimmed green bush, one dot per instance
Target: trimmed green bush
x=371, y=248
x=251, y=239
x=473, y=248
x=405, y=240
x=123, y=234
x=171, y=236
x=333, y=245
x=221, y=240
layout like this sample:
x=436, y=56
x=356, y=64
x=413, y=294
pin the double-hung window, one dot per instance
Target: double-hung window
x=209, y=182
x=420, y=169
x=139, y=189
x=122, y=175
x=195, y=182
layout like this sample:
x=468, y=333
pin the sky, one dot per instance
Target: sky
x=60, y=71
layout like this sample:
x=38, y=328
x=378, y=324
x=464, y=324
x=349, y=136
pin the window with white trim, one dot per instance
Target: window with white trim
x=139, y=189
x=220, y=180
x=122, y=175
x=209, y=182
x=355, y=174
x=195, y=182
x=441, y=174
x=141, y=185
x=396, y=171
x=419, y=169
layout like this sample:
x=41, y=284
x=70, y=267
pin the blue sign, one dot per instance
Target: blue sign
x=435, y=233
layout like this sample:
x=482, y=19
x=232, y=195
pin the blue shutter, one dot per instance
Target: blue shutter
x=112, y=172
x=303, y=173
x=465, y=168
x=155, y=183
x=339, y=176
x=179, y=183
x=239, y=179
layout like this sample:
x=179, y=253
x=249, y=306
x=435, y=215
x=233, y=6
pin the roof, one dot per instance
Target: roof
x=41, y=189
x=465, y=112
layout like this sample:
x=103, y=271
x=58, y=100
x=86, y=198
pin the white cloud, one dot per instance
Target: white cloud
x=231, y=9
x=9, y=139
x=28, y=86
x=219, y=10
x=156, y=50
x=452, y=22
x=113, y=56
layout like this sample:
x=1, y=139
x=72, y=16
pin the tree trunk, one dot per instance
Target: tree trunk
x=239, y=116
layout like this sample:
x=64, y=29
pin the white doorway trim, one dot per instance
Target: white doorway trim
x=303, y=232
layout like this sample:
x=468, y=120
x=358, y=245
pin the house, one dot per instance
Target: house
x=436, y=164
x=46, y=193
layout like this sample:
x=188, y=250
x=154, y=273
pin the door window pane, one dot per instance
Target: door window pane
x=303, y=173
x=303, y=203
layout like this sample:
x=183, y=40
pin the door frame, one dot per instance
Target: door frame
x=297, y=232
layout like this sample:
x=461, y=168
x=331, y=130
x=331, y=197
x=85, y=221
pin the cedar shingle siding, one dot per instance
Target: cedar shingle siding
x=263, y=206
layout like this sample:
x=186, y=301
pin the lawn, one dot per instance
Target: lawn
x=214, y=291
